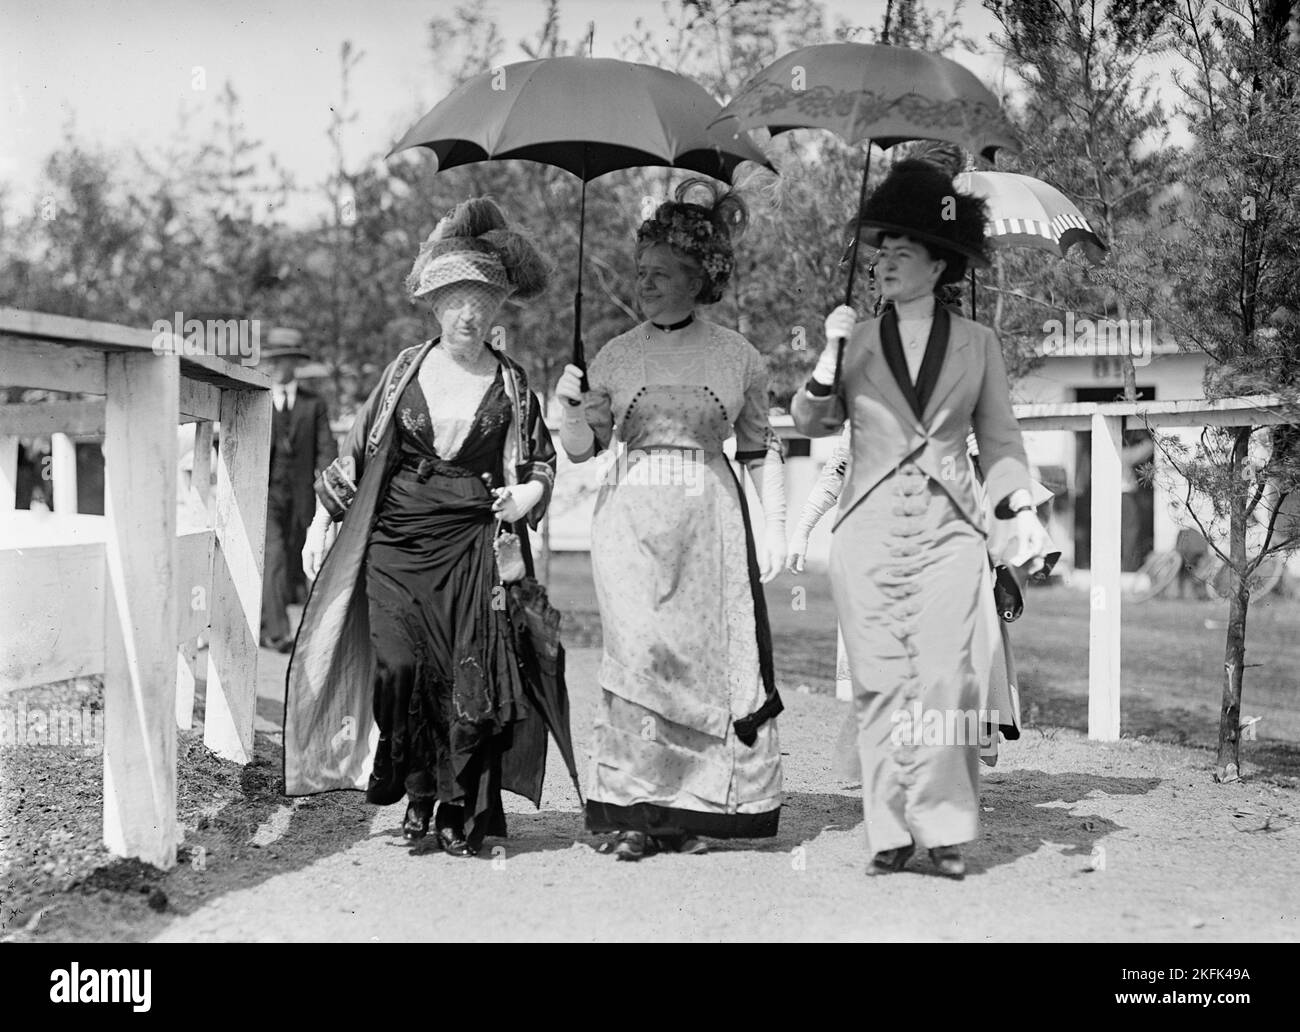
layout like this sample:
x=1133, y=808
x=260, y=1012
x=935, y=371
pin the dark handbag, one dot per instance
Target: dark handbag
x=1010, y=603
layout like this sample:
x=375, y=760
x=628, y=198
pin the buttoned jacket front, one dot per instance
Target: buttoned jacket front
x=971, y=392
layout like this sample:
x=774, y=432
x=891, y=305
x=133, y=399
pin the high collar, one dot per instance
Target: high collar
x=916, y=310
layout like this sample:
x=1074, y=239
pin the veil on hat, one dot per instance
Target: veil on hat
x=474, y=242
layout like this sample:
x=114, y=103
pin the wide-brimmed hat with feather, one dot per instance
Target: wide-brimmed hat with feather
x=918, y=200
x=474, y=244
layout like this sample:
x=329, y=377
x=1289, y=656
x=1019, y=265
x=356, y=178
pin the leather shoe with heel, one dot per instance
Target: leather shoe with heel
x=891, y=861
x=454, y=842
x=948, y=861
x=415, y=825
x=688, y=845
x=450, y=831
x=635, y=845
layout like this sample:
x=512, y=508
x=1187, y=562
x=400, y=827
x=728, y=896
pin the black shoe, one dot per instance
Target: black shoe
x=635, y=845
x=688, y=845
x=450, y=830
x=891, y=861
x=454, y=843
x=415, y=825
x=948, y=861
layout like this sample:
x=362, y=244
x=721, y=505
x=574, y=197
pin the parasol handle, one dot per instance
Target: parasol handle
x=579, y=351
x=853, y=264
x=841, y=341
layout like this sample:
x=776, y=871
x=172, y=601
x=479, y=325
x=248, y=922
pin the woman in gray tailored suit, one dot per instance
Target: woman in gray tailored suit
x=908, y=556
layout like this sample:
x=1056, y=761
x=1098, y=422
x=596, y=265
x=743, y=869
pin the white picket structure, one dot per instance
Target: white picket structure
x=127, y=595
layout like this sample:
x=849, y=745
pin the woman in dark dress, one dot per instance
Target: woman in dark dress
x=448, y=448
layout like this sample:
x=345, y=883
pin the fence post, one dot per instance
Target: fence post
x=191, y=654
x=8, y=473
x=63, y=474
x=140, y=607
x=237, y=566
x=1104, y=623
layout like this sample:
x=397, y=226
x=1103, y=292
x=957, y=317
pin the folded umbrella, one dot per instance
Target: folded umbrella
x=537, y=632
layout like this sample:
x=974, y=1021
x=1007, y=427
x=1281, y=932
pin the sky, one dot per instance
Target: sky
x=123, y=73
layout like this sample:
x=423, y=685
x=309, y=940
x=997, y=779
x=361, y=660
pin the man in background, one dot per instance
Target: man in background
x=301, y=446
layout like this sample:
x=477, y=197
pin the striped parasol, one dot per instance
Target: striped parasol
x=1026, y=212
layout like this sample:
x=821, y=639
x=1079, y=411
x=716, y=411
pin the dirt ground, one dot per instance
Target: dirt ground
x=1081, y=841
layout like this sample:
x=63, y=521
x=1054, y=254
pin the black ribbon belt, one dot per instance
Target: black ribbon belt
x=425, y=468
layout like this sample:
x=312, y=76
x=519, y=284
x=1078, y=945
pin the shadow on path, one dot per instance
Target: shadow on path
x=1026, y=808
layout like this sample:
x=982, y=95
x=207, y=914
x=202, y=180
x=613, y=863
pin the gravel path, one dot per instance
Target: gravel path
x=1130, y=841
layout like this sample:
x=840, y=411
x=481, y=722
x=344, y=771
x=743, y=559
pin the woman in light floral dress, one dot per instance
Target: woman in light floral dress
x=685, y=737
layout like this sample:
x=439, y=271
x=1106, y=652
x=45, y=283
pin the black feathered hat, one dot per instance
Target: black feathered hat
x=919, y=201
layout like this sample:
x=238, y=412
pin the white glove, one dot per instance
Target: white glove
x=569, y=389
x=772, y=493
x=576, y=435
x=839, y=324
x=774, y=552
x=1030, y=543
x=513, y=503
x=797, y=554
x=320, y=539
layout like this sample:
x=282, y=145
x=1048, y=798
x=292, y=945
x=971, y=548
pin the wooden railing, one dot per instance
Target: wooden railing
x=123, y=594
x=1107, y=422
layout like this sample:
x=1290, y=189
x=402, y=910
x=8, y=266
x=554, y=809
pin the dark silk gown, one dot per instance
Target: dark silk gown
x=447, y=681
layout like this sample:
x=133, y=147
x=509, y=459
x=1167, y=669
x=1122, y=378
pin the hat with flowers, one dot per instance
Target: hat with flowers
x=702, y=233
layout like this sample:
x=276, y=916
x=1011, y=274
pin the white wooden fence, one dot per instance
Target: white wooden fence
x=1107, y=422
x=124, y=595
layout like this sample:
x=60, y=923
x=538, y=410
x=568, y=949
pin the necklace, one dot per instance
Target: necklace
x=675, y=326
x=915, y=310
x=917, y=340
